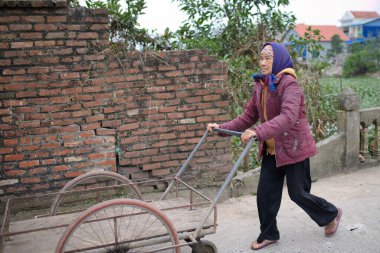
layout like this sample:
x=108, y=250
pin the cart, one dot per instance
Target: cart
x=180, y=217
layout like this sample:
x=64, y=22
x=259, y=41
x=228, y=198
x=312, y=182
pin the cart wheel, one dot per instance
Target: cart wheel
x=90, y=180
x=120, y=225
x=204, y=246
x=210, y=247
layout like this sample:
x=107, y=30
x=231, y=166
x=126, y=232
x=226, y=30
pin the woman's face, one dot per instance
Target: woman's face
x=266, y=60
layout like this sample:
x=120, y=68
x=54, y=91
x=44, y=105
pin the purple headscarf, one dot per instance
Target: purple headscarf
x=281, y=61
x=281, y=58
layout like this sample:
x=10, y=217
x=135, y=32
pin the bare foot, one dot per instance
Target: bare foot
x=256, y=246
x=332, y=227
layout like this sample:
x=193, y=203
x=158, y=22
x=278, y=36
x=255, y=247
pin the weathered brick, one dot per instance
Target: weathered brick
x=60, y=168
x=45, y=27
x=94, y=118
x=20, y=27
x=28, y=164
x=16, y=157
x=105, y=131
x=90, y=126
x=73, y=174
x=30, y=180
x=33, y=19
x=6, y=151
x=131, y=126
x=3, y=28
x=56, y=19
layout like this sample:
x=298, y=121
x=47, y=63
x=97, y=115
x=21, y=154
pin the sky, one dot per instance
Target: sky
x=160, y=14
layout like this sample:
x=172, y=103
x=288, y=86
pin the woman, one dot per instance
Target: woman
x=285, y=145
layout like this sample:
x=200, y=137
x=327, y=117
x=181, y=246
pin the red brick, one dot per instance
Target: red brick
x=13, y=173
x=105, y=131
x=75, y=90
x=87, y=35
x=106, y=163
x=30, y=180
x=17, y=157
x=45, y=27
x=22, y=94
x=48, y=161
x=26, y=44
x=40, y=186
x=151, y=166
x=56, y=19
x=70, y=129
x=59, y=100
x=160, y=172
x=60, y=168
x=9, y=19
x=13, y=71
x=15, y=189
x=50, y=146
x=5, y=62
x=93, y=103
x=39, y=170
x=18, y=27
x=73, y=174
x=92, y=89
x=74, y=43
x=30, y=124
x=111, y=123
x=131, y=126
x=55, y=35
x=3, y=28
x=33, y=19
x=48, y=60
x=5, y=112
x=31, y=35
x=45, y=43
x=101, y=27
x=98, y=117
x=4, y=45
x=27, y=164
x=69, y=144
x=90, y=126
x=5, y=151
x=94, y=140
x=10, y=142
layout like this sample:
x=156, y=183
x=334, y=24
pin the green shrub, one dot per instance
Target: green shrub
x=364, y=58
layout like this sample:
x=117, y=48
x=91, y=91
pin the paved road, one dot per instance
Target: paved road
x=358, y=193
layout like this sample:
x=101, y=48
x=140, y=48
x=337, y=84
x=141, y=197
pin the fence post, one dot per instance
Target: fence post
x=349, y=122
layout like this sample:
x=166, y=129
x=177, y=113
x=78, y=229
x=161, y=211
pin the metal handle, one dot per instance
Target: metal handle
x=227, y=181
x=228, y=132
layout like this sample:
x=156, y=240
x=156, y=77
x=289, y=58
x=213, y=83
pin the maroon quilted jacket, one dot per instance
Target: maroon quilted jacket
x=287, y=122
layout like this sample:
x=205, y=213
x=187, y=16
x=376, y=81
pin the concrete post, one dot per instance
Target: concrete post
x=350, y=124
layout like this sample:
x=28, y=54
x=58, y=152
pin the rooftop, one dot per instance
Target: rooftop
x=327, y=31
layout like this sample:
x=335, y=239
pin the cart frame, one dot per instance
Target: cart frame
x=191, y=236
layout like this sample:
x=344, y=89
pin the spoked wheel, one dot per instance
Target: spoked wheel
x=91, y=180
x=120, y=226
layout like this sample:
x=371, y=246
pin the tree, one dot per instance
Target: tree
x=235, y=30
x=336, y=46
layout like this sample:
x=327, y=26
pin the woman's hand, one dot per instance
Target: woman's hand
x=211, y=126
x=248, y=134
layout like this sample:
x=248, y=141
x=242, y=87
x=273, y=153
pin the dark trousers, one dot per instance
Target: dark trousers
x=269, y=193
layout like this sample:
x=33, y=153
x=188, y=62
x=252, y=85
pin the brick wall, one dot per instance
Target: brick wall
x=69, y=104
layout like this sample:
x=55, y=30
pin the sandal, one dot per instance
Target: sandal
x=337, y=219
x=261, y=245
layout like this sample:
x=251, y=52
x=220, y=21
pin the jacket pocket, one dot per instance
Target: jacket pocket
x=291, y=141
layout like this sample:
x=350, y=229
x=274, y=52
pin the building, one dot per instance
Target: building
x=361, y=25
x=327, y=32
